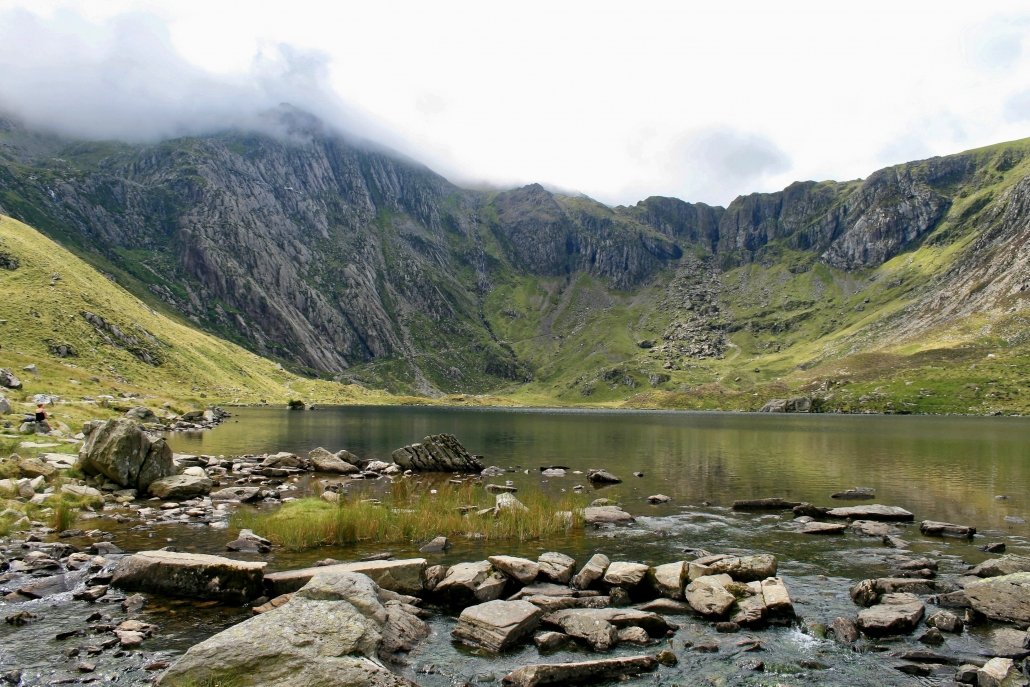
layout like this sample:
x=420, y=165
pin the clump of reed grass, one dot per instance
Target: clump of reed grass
x=410, y=514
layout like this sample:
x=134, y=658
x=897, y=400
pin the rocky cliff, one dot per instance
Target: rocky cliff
x=328, y=253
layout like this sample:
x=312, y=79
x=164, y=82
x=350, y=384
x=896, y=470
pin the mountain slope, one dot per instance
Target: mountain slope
x=88, y=336
x=346, y=260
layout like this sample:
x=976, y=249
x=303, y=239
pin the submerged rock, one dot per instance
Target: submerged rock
x=897, y=613
x=771, y=503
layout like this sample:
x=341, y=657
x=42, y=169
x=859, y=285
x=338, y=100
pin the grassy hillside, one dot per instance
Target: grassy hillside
x=49, y=300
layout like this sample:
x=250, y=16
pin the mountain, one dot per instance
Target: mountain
x=345, y=260
x=86, y=336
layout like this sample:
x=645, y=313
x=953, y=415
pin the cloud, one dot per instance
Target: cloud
x=123, y=79
x=1017, y=107
x=711, y=161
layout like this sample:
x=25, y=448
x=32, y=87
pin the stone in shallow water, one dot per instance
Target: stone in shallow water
x=497, y=625
x=556, y=567
x=824, y=528
x=584, y=672
x=897, y=613
x=192, y=575
x=623, y=574
x=708, y=596
x=933, y=528
x=1005, y=598
x=402, y=576
x=591, y=572
x=873, y=511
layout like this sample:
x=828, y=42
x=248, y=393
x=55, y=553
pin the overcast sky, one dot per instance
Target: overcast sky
x=618, y=100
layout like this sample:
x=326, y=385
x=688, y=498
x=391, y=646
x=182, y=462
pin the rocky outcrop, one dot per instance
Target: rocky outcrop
x=123, y=453
x=437, y=453
x=190, y=575
x=1005, y=598
x=335, y=630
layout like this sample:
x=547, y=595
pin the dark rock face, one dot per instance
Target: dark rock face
x=437, y=453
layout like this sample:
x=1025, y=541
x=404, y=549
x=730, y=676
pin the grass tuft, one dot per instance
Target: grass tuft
x=412, y=514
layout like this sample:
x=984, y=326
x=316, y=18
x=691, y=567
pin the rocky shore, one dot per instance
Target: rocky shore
x=359, y=621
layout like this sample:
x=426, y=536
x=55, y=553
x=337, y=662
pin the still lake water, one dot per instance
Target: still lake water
x=940, y=468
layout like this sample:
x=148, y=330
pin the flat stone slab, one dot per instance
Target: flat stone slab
x=771, y=503
x=497, y=625
x=623, y=574
x=855, y=493
x=1005, y=565
x=1005, y=598
x=896, y=614
x=933, y=528
x=824, y=528
x=873, y=511
x=403, y=576
x=191, y=575
x=589, y=672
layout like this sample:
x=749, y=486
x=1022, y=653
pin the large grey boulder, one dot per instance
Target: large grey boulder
x=334, y=631
x=896, y=614
x=121, y=451
x=556, y=567
x=324, y=461
x=1005, y=598
x=1006, y=565
x=437, y=453
x=180, y=487
x=402, y=576
x=591, y=572
x=8, y=379
x=470, y=583
x=497, y=625
x=190, y=575
x=582, y=672
x=708, y=596
x=522, y=570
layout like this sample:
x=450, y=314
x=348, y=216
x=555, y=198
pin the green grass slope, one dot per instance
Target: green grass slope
x=138, y=351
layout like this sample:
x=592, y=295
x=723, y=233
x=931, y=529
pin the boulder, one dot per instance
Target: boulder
x=599, y=627
x=932, y=528
x=1005, y=598
x=5, y=405
x=180, y=487
x=591, y=572
x=401, y=576
x=740, y=568
x=8, y=379
x=285, y=460
x=437, y=453
x=334, y=631
x=945, y=621
x=873, y=511
x=497, y=625
x=461, y=582
x=602, y=477
x=241, y=494
x=141, y=414
x=583, y=672
x=1000, y=672
x=324, y=461
x=122, y=452
x=897, y=613
x=600, y=515
x=556, y=567
x=522, y=570
x=622, y=574
x=669, y=579
x=1006, y=565
x=190, y=575
x=505, y=501
x=708, y=596
x=34, y=467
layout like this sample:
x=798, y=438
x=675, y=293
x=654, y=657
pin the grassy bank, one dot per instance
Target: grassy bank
x=412, y=514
